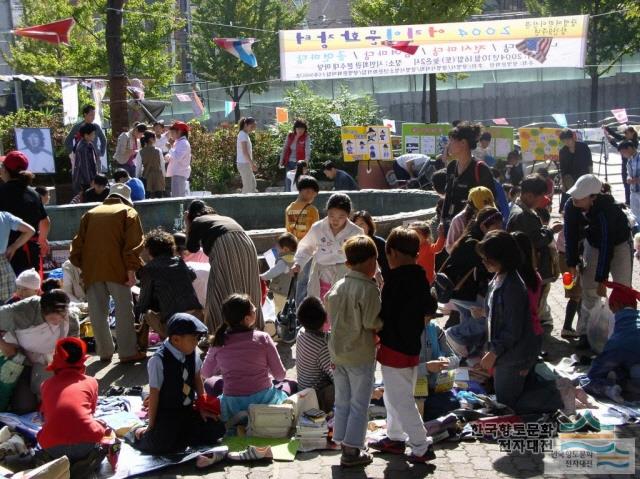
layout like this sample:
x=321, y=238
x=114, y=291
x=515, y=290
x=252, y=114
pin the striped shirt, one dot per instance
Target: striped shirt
x=313, y=363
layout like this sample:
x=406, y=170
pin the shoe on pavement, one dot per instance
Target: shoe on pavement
x=252, y=453
x=353, y=457
x=426, y=457
x=388, y=445
x=209, y=458
x=569, y=333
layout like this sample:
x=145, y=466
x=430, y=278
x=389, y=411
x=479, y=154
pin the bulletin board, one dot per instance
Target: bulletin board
x=365, y=143
x=425, y=138
x=540, y=144
x=501, y=141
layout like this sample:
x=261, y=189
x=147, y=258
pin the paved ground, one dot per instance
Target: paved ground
x=461, y=460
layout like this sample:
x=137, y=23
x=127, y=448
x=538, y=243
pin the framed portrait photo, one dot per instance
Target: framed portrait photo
x=36, y=144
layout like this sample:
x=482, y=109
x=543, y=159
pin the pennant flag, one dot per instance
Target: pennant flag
x=500, y=121
x=391, y=124
x=229, y=106
x=404, y=46
x=536, y=48
x=336, y=118
x=183, y=97
x=561, y=119
x=240, y=48
x=56, y=32
x=196, y=105
x=282, y=115
x=69, y=101
x=621, y=115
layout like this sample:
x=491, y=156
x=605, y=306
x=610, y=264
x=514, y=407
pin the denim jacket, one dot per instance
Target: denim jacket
x=619, y=355
x=511, y=335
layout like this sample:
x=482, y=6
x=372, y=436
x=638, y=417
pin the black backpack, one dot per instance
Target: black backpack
x=287, y=319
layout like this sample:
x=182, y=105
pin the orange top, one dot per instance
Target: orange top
x=427, y=257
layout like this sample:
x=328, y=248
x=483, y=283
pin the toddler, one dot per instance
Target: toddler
x=428, y=250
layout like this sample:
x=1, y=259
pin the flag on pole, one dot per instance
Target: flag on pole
x=500, y=121
x=402, y=46
x=229, y=106
x=55, y=33
x=536, y=48
x=621, y=115
x=391, y=124
x=240, y=48
x=69, y=101
x=282, y=115
x=561, y=119
x=197, y=106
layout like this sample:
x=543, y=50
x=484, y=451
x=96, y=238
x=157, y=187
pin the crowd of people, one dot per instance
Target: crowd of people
x=486, y=260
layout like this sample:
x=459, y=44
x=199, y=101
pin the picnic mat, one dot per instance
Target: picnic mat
x=283, y=449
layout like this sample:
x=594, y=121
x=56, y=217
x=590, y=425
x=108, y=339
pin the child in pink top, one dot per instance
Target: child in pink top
x=247, y=360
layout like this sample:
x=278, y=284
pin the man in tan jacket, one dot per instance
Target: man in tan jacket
x=107, y=251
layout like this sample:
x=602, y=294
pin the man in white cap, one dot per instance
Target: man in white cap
x=597, y=218
x=27, y=285
x=107, y=251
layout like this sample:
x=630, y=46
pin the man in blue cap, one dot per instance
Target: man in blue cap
x=180, y=414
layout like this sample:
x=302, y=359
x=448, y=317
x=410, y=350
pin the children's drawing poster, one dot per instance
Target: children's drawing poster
x=364, y=143
x=540, y=144
x=425, y=138
x=501, y=141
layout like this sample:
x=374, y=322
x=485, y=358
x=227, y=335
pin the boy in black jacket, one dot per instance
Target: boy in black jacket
x=406, y=300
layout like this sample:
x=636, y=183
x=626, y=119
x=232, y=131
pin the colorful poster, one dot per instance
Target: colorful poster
x=426, y=138
x=364, y=143
x=540, y=144
x=351, y=52
x=501, y=141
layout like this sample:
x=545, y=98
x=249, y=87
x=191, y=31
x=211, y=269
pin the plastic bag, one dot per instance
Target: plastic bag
x=600, y=326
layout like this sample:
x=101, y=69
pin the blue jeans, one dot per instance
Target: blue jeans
x=523, y=391
x=301, y=285
x=291, y=165
x=353, y=385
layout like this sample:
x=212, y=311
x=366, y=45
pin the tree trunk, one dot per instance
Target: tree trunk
x=117, y=72
x=236, y=98
x=593, y=116
x=433, y=98
x=593, y=57
x=424, y=98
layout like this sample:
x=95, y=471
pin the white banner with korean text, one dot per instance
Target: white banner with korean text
x=549, y=42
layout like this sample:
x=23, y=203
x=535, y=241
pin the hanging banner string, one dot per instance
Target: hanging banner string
x=239, y=27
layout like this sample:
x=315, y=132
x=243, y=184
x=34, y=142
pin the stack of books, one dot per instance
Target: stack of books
x=312, y=429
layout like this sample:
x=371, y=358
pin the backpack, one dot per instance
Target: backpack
x=287, y=320
x=500, y=197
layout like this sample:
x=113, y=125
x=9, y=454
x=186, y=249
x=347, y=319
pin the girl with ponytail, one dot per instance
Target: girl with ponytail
x=246, y=358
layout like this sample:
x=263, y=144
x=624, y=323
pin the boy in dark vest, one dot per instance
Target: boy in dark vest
x=180, y=413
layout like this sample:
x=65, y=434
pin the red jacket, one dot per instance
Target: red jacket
x=69, y=400
x=427, y=257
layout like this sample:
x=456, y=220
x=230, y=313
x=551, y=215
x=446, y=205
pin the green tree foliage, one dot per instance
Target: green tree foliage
x=212, y=63
x=145, y=36
x=412, y=12
x=609, y=37
x=302, y=102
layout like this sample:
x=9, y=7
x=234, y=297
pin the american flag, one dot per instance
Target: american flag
x=536, y=48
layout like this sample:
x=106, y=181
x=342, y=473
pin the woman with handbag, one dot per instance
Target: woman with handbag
x=463, y=281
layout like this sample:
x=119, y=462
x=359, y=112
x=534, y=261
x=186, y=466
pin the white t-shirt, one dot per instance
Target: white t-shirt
x=291, y=176
x=418, y=161
x=240, y=156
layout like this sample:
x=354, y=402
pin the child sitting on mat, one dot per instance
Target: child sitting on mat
x=180, y=413
x=247, y=359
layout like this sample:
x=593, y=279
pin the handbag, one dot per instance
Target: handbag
x=303, y=401
x=287, y=319
x=443, y=288
x=270, y=420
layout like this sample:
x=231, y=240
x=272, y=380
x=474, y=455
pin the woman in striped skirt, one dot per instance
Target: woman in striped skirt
x=233, y=259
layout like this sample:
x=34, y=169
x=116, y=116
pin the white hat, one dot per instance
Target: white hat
x=586, y=185
x=122, y=191
x=28, y=279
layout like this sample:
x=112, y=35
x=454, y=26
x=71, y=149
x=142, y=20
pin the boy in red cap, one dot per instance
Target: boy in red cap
x=69, y=401
x=621, y=354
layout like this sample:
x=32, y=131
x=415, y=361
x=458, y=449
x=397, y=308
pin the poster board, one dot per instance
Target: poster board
x=364, y=143
x=497, y=44
x=36, y=144
x=425, y=138
x=540, y=144
x=501, y=141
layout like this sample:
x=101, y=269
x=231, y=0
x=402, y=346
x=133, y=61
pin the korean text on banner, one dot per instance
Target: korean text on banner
x=442, y=48
x=364, y=143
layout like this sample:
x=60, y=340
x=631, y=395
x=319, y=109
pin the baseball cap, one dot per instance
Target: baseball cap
x=184, y=323
x=122, y=191
x=481, y=197
x=15, y=161
x=586, y=185
x=180, y=126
